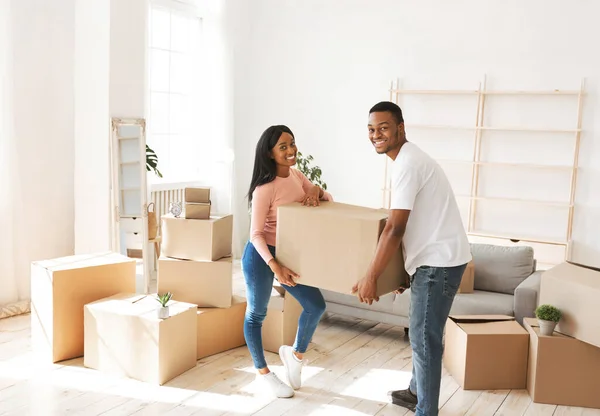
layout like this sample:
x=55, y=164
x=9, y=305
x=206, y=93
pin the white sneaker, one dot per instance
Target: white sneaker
x=293, y=366
x=278, y=387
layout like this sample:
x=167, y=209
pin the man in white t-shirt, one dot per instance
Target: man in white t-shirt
x=425, y=219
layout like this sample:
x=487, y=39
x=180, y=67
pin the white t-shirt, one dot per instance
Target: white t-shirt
x=435, y=235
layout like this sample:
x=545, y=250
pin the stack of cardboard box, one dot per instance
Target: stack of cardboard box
x=495, y=352
x=564, y=368
x=196, y=267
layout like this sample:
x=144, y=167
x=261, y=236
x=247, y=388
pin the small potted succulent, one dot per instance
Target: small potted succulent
x=163, y=311
x=548, y=316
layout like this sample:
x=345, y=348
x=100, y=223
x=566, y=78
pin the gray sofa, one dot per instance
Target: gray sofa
x=506, y=283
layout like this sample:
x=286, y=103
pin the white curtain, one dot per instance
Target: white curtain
x=12, y=302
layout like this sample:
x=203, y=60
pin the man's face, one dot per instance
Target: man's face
x=384, y=132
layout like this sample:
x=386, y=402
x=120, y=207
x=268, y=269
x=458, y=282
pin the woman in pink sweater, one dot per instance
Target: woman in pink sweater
x=274, y=183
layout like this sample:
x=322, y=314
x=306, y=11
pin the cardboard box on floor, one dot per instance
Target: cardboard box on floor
x=281, y=324
x=200, y=240
x=332, y=245
x=59, y=290
x=220, y=329
x=575, y=290
x=562, y=370
x=467, y=283
x=124, y=336
x=487, y=352
x=207, y=284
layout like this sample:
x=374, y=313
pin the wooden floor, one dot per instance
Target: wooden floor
x=352, y=364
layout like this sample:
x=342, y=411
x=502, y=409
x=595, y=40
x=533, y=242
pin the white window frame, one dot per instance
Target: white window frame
x=191, y=8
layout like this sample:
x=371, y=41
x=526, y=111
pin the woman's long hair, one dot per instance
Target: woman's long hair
x=265, y=169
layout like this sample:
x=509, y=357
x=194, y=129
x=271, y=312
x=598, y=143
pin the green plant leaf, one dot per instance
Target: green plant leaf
x=548, y=313
x=313, y=173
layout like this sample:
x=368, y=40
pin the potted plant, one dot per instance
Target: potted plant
x=548, y=316
x=313, y=173
x=152, y=161
x=163, y=311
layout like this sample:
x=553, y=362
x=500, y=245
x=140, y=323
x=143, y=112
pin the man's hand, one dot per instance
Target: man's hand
x=400, y=290
x=367, y=290
x=283, y=275
x=312, y=197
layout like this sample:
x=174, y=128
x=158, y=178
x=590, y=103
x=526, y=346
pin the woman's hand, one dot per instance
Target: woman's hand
x=283, y=275
x=312, y=197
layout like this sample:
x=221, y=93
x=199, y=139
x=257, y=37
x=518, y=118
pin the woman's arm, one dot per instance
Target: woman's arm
x=261, y=203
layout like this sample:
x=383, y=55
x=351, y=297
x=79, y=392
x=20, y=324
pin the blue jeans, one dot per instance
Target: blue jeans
x=259, y=283
x=432, y=292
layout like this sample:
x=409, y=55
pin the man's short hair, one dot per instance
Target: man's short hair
x=388, y=106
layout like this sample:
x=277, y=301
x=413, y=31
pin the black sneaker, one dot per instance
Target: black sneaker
x=404, y=398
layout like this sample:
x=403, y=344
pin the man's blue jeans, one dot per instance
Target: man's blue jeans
x=259, y=283
x=432, y=292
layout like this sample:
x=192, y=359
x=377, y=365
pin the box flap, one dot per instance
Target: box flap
x=335, y=209
x=477, y=319
x=582, y=275
x=585, y=266
x=213, y=218
x=81, y=261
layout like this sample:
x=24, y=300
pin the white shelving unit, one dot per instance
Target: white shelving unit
x=130, y=194
x=554, y=249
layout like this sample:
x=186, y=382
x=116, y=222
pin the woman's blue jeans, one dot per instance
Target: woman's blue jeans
x=259, y=283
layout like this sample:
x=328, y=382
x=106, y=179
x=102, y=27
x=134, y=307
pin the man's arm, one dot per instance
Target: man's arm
x=389, y=242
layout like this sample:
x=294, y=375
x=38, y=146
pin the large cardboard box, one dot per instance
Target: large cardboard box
x=207, y=284
x=221, y=329
x=281, y=324
x=575, y=290
x=467, y=283
x=124, y=336
x=200, y=240
x=487, y=352
x=331, y=246
x=59, y=290
x=562, y=370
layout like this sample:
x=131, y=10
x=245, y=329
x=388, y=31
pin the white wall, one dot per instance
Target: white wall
x=110, y=82
x=92, y=43
x=42, y=74
x=318, y=66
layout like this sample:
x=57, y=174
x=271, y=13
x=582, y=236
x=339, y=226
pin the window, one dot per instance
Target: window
x=175, y=91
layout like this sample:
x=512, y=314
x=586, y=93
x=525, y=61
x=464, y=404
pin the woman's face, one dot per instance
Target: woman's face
x=284, y=152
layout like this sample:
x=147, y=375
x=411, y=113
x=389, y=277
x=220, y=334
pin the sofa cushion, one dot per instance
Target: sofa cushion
x=476, y=303
x=500, y=268
x=383, y=305
x=483, y=303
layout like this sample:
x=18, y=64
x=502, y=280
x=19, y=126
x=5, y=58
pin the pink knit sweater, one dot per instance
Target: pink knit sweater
x=265, y=200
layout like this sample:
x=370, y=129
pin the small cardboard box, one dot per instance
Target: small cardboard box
x=281, y=324
x=562, y=370
x=487, y=352
x=575, y=290
x=331, y=246
x=207, y=284
x=467, y=283
x=124, y=336
x=59, y=290
x=197, y=210
x=197, y=195
x=221, y=329
x=206, y=240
